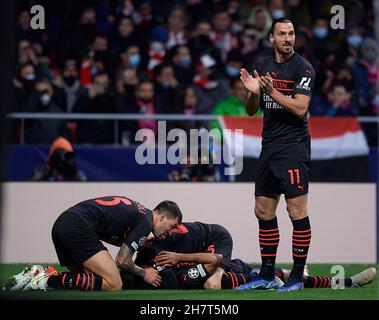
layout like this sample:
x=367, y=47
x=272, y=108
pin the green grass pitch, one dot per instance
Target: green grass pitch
x=369, y=292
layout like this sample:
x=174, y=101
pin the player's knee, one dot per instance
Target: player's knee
x=212, y=284
x=296, y=211
x=261, y=212
x=114, y=284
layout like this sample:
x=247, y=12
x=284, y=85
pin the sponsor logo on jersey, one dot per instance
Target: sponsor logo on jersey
x=304, y=83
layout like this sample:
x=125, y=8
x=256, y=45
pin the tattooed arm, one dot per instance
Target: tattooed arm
x=124, y=261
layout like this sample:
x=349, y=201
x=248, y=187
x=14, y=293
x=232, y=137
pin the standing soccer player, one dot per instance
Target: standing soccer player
x=282, y=85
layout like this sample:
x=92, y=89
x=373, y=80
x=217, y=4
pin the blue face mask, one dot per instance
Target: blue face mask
x=185, y=61
x=355, y=41
x=232, y=72
x=135, y=60
x=320, y=32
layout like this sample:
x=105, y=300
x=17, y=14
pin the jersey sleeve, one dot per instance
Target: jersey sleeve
x=138, y=235
x=304, y=80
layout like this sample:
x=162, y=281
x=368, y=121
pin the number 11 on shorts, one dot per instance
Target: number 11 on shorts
x=292, y=175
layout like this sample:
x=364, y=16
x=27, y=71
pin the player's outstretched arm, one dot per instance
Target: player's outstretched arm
x=124, y=261
x=210, y=261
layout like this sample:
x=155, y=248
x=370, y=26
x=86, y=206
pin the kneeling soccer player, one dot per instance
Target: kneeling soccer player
x=77, y=234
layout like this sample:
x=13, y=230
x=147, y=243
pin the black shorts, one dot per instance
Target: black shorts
x=283, y=169
x=75, y=240
x=222, y=243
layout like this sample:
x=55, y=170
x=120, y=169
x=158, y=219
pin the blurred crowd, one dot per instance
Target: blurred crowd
x=180, y=57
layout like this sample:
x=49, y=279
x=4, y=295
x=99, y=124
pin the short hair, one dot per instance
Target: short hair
x=280, y=20
x=170, y=209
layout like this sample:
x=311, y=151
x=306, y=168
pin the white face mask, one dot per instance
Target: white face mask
x=278, y=13
x=45, y=99
x=30, y=77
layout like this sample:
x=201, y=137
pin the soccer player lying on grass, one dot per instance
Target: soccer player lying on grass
x=77, y=234
x=195, y=261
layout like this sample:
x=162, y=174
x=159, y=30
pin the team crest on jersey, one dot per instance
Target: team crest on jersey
x=142, y=241
x=193, y=273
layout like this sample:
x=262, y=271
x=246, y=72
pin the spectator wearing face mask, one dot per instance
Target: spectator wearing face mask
x=166, y=87
x=69, y=82
x=322, y=43
x=78, y=42
x=339, y=101
x=366, y=75
x=233, y=66
x=208, y=86
x=42, y=100
x=131, y=58
x=24, y=83
x=200, y=41
x=182, y=63
x=354, y=41
x=97, y=98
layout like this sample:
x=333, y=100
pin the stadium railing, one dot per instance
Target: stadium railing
x=135, y=116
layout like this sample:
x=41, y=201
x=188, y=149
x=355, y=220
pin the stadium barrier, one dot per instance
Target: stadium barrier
x=343, y=216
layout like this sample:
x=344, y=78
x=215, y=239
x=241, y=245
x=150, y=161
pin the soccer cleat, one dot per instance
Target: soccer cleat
x=306, y=271
x=292, y=285
x=363, y=278
x=39, y=281
x=20, y=280
x=259, y=284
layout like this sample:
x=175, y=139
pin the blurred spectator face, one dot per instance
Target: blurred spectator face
x=190, y=98
x=276, y=9
x=250, y=38
x=167, y=77
x=101, y=82
x=100, y=43
x=25, y=51
x=221, y=22
x=125, y=27
x=70, y=72
x=24, y=20
x=260, y=20
x=202, y=29
x=176, y=20
x=129, y=77
x=283, y=38
x=302, y=39
x=320, y=28
x=182, y=57
x=344, y=74
x=233, y=68
x=88, y=16
x=145, y=91
x=339, y=96
x=46, y=89
x=144, y=9
x=27, y=72
x=239, y=90
x=354, y=38
x=131, y=57
x=370, y=50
